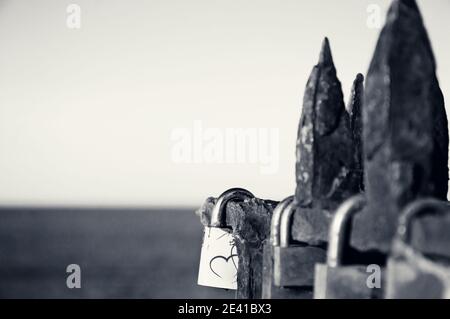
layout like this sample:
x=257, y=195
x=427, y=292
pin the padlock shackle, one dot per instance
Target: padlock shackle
x=418, y=207
x=218, y=217
x=286, y=222
x=341, y=220
x=275, y=222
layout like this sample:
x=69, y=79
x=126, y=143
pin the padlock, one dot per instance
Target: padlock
x=335, y=279
x=410, y=273
x=218, y=258
x=293, y=262
x=269, y=290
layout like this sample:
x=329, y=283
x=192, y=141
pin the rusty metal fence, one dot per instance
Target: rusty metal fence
x=368, y=218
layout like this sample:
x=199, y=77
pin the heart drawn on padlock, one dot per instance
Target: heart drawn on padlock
x=221, y=265
x=218, y=260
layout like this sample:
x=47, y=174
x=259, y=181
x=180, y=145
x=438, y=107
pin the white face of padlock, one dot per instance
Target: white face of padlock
x=218, y=259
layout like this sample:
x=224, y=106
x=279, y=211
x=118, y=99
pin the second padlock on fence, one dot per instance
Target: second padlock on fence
x=289, y=266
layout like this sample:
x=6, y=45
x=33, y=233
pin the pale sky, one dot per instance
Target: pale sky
x=86, y=115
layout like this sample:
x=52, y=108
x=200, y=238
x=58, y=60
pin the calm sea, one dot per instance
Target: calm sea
x=123, y=253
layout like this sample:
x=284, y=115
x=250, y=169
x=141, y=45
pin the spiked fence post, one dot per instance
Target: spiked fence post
x=405, y=127
x=354, y=108
x=328, y=168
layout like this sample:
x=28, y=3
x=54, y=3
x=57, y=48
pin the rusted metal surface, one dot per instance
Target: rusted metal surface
x=390, y=144
x=354, y=108
x=327, y=168
x=405, y=127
